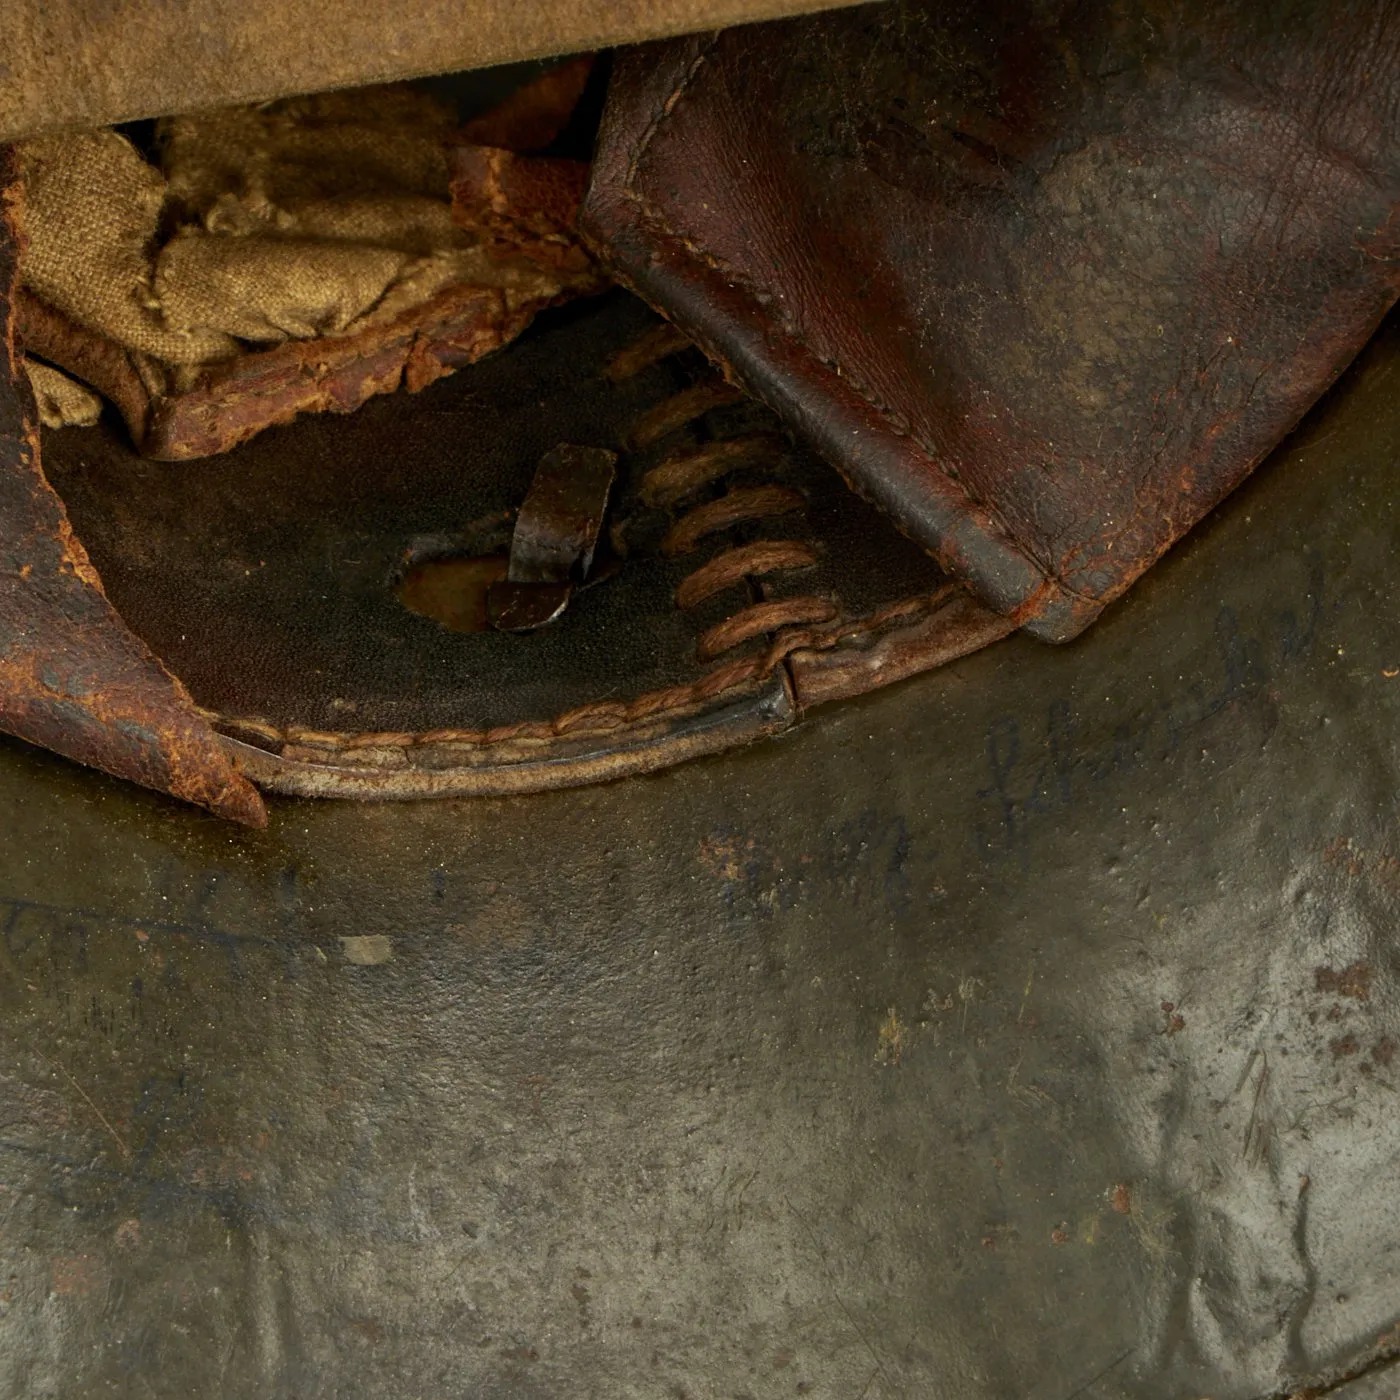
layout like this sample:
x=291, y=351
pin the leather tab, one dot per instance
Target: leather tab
x=556, y=533
x=557, y=529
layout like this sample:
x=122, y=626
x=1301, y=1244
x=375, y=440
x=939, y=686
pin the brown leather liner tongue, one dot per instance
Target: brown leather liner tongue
x=1043, y=281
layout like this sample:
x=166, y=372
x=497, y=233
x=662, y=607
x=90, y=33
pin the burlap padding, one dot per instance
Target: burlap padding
x=317, y=216
x=62, y=401
x=92, y=210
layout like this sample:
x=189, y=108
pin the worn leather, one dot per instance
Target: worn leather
x=265, y=577
x=1045, y=280
x=73, y=678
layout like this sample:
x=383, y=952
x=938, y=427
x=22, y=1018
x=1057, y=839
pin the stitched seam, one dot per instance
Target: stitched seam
x=666, y=107
x=896, y=421
x=577, y=722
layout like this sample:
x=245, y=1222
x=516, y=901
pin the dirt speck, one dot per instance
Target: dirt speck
x=367, y=949
x=890, y=1041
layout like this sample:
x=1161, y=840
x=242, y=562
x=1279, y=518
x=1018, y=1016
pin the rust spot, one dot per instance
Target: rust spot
x=128, y=1234
x=1384, y=1051
x=726, y=856
x=1354, y=981
x=1379, y=867
x=1339, y=852
x=1387, y=873
x=1121, y=1199
x=368, y=1329
x=1059, y=1235
x=73, y=1276
x=1345, y=1045
x=989, y=1242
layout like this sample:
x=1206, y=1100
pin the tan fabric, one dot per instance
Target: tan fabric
x=63, y=402
x=92, y=207
x=267, y=289
x=86, y=63
x=311, y=217
x=386, y=139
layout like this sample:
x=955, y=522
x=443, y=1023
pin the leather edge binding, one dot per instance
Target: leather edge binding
x=759, y=714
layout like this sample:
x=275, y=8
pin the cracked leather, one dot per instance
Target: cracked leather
x=73, y=678
x=1044, y=280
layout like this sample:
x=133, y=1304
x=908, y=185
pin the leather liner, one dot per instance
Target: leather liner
x=1044, y=282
